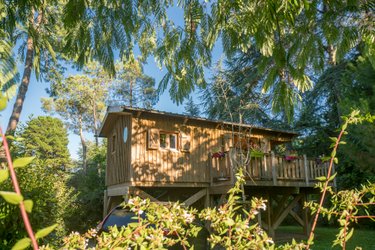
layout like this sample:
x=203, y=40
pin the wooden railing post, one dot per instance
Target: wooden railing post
x=265, y=168
x=305, y=164
x=210, y=165
x=273, y=165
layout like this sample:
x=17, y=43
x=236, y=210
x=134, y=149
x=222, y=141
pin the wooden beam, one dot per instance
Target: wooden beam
x=138, y=114
x=185, y=121
x=117, y=190
x=142, y=194
x=270, y=228
x=280, y=205
x=195, y=197
x=286, y=211
x=297, y=218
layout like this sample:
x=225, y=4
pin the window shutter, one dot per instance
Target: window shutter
x=184, y=142
x=153, y=138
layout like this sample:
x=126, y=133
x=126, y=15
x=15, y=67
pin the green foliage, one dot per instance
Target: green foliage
x=191, y=108
x=285, y=33
x=342, y=87
x=232, y=225
x=46, y=139
x=8, y=70
x=131, y=86
x=51, y=203
x=89, y=189
x=235, y=93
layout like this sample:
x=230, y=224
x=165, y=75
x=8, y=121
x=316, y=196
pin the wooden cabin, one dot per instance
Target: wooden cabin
x=167, y=157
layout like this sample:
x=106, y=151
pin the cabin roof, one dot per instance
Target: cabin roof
x=114, y=111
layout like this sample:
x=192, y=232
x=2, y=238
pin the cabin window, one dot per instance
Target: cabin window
x=173, y=141
x=168, y=140
x=163, y=141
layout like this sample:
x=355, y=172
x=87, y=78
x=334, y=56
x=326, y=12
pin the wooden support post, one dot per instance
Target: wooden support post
x=210, y=165
x=266, y=171
x=105, y=204
x=306, y=169
x=207, y=201
x=271, y=229
x=305, y=216
x=259, y=217
x=273, y=164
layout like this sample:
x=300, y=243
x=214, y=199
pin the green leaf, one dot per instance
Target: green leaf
x=3, y=102
x=11, y=197
x=325, y=158
x=22, y=244
x=4, y=174
x=336, y=160
x=45, y=231
x=321, y=178
x=332, y=177
x=28, y=205
x=10, y=137
x=22, y=162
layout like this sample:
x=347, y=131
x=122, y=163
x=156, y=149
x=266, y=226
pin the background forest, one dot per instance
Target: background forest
x=295, y=65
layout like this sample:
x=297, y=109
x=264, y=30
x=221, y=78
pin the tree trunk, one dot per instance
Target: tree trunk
x=84, y=146
x=22, y=90
x=96, y=132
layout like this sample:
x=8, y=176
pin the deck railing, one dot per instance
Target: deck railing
x=275, y=168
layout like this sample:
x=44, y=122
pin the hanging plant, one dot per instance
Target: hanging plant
x=291, y=157
x=219, y=155
x=256, y=154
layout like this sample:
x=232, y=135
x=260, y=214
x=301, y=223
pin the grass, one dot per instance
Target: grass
x=324, y=237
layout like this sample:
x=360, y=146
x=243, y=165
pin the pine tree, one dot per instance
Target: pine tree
x=191, y=108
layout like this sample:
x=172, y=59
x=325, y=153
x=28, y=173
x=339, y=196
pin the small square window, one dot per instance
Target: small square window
x=163, y=140
x=173, y=141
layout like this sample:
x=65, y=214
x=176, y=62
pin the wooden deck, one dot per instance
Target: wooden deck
x=271, y=170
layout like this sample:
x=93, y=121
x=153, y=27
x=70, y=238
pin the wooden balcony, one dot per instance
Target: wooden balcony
x=270, y=170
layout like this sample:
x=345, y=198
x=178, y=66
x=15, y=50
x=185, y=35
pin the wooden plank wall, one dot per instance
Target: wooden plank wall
x=118, y=157
x=170, y=166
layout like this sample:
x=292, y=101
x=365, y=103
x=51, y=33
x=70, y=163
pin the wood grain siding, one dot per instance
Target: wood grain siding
x=118, y=152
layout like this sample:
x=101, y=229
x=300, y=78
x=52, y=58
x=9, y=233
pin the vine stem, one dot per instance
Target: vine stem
x=16, y=187
x=324, y=189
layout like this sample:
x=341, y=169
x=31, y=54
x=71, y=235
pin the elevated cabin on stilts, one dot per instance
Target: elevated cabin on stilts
x=168, y=157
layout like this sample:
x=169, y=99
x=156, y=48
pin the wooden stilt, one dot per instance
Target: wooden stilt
x=105, y=204
x=207, y=200
x=305, y=216
x=271, y=229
